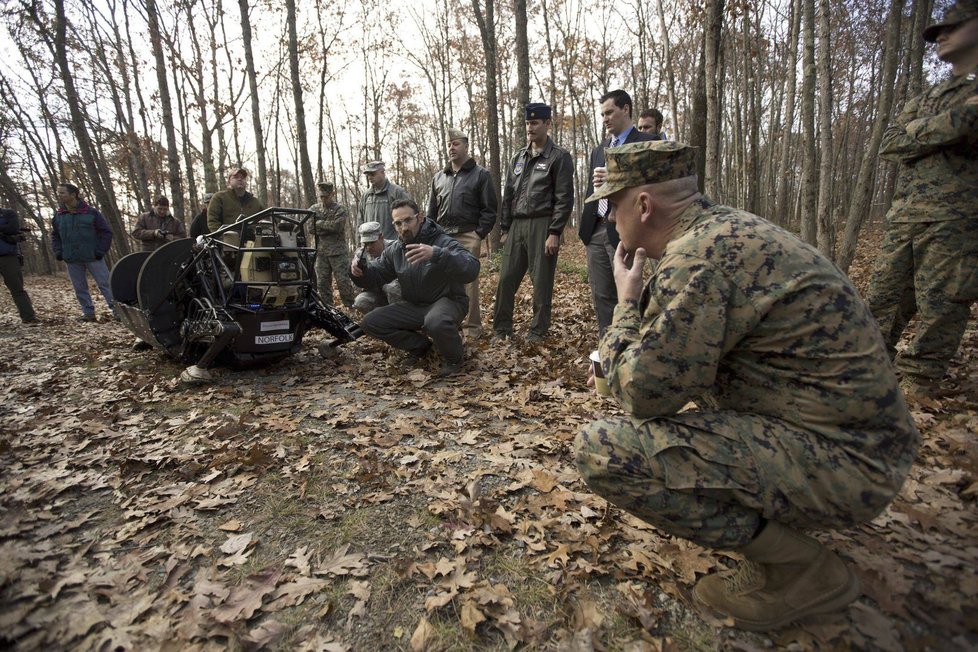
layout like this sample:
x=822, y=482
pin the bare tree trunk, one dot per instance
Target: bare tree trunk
x=487, y=28
x=714, y=119
x=670, y=74
x=260, y=182
x=308, y=183
x=522, y=56
x=172, y=153
x=826, y=228
x=809, y=196
x=697, y=124
x=782, y=208
x=859, y=204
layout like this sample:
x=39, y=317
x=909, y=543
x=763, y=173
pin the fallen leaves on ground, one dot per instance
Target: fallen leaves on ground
x=339, y=505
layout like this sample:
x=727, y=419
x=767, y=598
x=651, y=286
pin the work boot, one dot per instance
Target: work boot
x=450, y=369
x=786, y=576
x=414, y=358
x=916, y=388
x=87, y=317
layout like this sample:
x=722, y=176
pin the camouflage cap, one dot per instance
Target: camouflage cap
x=457, y=134
x=956, y=14
x=369, y=232
x=373, y=166
x=325, y=187
x=638, y=164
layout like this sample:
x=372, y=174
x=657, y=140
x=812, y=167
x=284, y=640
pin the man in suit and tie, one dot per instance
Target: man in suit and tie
x=599, y=236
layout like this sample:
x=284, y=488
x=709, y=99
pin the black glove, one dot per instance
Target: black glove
x=58, y=256
x=99, y=256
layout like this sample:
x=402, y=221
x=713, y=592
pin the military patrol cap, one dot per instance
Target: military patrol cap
x=369, y=232
x=537, y=111
x=638, y=164
x=956, y=14
x=457, y=134
x=373, y=166
x=326, y=187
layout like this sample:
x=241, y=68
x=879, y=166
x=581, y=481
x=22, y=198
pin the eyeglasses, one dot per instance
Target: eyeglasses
x=405, y=220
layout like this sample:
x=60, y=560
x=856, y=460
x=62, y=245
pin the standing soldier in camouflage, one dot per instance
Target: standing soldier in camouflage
x=806, y=427
x=929, y=263
x=332, y=253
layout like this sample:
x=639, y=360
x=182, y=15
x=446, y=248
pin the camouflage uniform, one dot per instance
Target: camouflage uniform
x=333, y=255
x=930, y=250
x=805, y=426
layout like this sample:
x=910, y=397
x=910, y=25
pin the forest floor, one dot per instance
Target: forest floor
x=340, y=505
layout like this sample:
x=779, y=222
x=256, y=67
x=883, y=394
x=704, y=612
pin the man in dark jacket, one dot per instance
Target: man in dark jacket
x=597, y=233
x=463, y=202
x=10, y=259
x=537, y=202
x=81, y=237
x=157, y=227
x=432, y=268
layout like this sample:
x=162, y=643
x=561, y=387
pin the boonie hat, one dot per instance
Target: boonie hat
x=369, y=232
x=638, y=164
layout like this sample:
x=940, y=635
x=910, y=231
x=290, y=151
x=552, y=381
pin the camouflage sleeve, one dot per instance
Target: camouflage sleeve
x=658, y=361
x=333, y=222
x=911, y=138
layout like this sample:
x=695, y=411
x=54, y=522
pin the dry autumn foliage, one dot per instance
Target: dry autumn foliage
x=337, y=505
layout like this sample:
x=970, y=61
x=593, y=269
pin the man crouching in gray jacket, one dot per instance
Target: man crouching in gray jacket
x=432, y=268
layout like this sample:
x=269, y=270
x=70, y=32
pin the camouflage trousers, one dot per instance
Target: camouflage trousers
x=711, y=477
x=929, y=269
x=328, y=267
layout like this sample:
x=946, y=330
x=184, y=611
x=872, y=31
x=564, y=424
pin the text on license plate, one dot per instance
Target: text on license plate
x=274, y=339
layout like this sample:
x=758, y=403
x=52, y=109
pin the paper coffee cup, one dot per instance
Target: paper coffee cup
x=600, y=384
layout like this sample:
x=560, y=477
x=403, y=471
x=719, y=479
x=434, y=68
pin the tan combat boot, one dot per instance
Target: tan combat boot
x=786, y=576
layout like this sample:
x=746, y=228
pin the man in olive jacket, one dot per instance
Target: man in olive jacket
x=432, y=268
x=228, y=206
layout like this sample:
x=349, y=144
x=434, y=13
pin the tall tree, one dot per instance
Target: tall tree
x=172, y=152
x=260, y=182
x=487, y=28
x=78, y=125
x=859, y=203
x=826, y=228
x=809, y=181
x=712, y=74
x=308, y=184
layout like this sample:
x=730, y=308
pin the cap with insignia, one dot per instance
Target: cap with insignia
x=537, y=111
x=369, y=232
x=956, y=14
x=373, y=166
x=457, y=134
x=638, y=164
x=325, y=188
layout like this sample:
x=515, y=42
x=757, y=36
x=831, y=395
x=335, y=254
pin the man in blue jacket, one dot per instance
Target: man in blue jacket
x=432, y=268
x=81, y=237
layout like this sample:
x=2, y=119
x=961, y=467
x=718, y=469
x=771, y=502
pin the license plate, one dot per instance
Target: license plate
x=281, y=325
x=274, y=339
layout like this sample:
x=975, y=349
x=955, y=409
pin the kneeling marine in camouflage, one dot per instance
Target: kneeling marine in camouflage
x=801, y=425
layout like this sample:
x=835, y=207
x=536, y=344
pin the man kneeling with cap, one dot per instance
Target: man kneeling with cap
x=432, y=268
x=372, y=244
x=806, y=427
